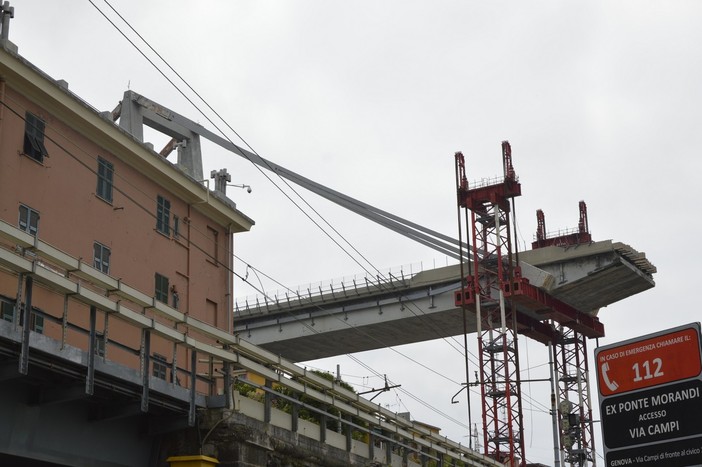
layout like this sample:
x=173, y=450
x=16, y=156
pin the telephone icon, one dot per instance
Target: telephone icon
x=611, y=385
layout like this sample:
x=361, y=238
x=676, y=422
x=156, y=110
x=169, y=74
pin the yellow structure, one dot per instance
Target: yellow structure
x=192, y=461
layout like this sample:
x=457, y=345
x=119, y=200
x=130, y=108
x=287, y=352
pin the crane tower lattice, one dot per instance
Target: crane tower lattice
x=505, y=304
x=491, y=268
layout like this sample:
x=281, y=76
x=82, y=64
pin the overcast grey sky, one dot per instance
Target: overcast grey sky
x=600, y=101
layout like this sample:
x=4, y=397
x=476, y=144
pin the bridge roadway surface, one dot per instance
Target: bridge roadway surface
x=422, y=307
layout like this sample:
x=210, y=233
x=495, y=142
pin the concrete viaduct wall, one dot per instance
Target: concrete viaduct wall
x=241, y=441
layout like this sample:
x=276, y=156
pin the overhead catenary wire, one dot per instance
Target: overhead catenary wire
x=408, y=303
x=204, y=250
x=420, y=234
x=527, y=396
x=242, y=153
x=150, y=212
x=365, y=335
x=267, y=177
x=262, y=288
x=465, y=348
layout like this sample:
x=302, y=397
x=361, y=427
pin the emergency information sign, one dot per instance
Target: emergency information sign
x=650, y=394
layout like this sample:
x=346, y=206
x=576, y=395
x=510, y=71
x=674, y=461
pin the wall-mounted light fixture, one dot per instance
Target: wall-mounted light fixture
x=248, y=187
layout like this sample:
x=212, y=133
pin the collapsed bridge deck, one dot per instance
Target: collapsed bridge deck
x=400, y=311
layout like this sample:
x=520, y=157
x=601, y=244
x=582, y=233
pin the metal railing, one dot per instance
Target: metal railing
x=488, y=181
x=66, y=275
x=559, y=233
x=343, y=287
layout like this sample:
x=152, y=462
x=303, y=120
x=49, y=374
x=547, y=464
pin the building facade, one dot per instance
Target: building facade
x=84, y=183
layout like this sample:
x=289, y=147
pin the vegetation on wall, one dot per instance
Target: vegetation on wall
x=306, y=405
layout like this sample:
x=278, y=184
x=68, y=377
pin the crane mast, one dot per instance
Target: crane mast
x=505, y=305
x=573, y=401
x=491, y=268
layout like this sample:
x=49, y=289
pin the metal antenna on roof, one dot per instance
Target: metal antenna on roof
x=6, y=13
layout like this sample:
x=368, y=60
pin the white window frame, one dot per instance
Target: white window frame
x=27, y=222
x=101, y=257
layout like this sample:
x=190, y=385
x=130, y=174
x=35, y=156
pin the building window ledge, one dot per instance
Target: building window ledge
x=103, y=199
x=33, y=159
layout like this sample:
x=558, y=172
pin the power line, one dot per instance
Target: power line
x=228, y=139
x=253, y=151
x=200, y=248
x=247, y=144
x=409, y=304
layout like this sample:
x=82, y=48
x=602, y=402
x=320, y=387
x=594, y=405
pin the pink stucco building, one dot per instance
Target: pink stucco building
x=83, y=182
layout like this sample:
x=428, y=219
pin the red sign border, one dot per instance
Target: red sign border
x=641, y=340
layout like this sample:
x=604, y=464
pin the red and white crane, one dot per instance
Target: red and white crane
x=505, y=305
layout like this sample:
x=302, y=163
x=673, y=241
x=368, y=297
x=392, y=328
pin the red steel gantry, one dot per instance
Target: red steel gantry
x=505, y=304
x=573, y=402
x=491, y=268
